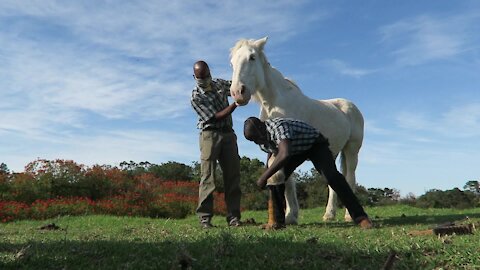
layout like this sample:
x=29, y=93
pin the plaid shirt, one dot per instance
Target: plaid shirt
x=208, y=103
x=300, y=134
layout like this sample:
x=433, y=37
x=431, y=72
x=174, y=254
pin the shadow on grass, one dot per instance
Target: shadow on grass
x=221, y=251
x=417, y=219
x=428, y=219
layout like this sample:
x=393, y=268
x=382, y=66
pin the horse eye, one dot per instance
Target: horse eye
x=252, y=57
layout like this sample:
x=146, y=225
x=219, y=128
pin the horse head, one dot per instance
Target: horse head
x=247, y=60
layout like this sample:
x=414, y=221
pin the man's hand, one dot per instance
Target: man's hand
x=279, y=161
x=262, y=183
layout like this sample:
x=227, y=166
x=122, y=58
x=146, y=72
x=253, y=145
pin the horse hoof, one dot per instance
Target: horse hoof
x=328, y=217
x=348, y=219
x=290, y=220
x=272, y=227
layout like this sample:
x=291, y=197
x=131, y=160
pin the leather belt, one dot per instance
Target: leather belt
x=222, y=129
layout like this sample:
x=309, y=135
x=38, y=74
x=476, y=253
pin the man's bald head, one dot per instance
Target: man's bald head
x=255, y=130
x=201, y=70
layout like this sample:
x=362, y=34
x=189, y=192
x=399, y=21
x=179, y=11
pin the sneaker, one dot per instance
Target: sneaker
x=235, y=222
x=206, y=223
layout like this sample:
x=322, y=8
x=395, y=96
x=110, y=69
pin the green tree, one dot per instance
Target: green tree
x=4, y=181
x=57, y=177
x=312, y=189
x=96, y=184
x=454, y=198
x=4, y=169
x=473, y=186
x=362, y=194
x=132, y=168
x=409, y=199
x=196, y=171
x=172, y=171
x=250, y=171
x=378, y=196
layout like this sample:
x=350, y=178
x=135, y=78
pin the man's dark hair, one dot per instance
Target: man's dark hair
x=201, y=70
x=252, y=127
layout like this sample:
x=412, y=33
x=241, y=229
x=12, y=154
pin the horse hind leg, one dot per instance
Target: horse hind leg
x=332, y=203
x=349, y=161
x=291, y=213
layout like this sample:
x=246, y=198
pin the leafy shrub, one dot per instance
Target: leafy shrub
x=255, y=201
x=454, y=198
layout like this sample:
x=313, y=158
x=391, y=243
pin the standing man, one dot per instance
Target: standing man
x=294, y=141
x=217, y=142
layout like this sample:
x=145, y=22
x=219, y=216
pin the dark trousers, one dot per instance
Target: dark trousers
x=322, y=159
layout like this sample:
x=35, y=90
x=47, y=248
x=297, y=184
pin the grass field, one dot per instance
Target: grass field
x=107, y=242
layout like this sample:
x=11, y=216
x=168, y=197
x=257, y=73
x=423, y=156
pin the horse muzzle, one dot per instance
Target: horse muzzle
x=241, y=96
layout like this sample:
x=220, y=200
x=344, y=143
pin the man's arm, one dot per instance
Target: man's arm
x=225, y=85
x=280, y=159
x=225, y=112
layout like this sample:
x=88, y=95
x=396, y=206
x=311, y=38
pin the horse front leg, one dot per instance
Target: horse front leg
x=291, y=200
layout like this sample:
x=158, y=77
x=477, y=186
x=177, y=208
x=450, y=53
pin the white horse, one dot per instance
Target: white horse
x=338, y=119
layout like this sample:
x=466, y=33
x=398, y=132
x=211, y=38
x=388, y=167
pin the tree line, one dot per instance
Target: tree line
x=43, y=179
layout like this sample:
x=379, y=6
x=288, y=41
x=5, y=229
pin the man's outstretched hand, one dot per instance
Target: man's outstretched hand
x=262, y=183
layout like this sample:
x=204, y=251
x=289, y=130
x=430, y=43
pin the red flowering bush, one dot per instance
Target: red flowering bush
x=13, y=210
x=51, y=188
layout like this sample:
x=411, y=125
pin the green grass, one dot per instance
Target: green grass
x=107, y=242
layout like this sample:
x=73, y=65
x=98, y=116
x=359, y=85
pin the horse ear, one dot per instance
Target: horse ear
x=260, y=43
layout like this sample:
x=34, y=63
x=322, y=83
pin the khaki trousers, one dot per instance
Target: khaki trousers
x=222, y=147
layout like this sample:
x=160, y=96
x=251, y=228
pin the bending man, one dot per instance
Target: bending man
x=292, y=142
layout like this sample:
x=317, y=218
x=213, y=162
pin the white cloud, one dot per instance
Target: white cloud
x=427, y=38
x=104, y=147
x=70, y=67
x=345, y=69
x=372, y=127
x=461, y=121
x=413, y=121
x=126, y=53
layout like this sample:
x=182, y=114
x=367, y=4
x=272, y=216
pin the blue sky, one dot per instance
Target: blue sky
x=101, y=82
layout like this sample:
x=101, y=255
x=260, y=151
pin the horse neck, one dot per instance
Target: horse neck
x=275, y=90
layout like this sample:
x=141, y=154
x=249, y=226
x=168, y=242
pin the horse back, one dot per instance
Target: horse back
x=337, y=119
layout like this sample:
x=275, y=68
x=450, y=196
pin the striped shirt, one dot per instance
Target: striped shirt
x=208, y=103
x=300, y=134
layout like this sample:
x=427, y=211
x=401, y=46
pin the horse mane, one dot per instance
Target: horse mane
x=289, y=83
